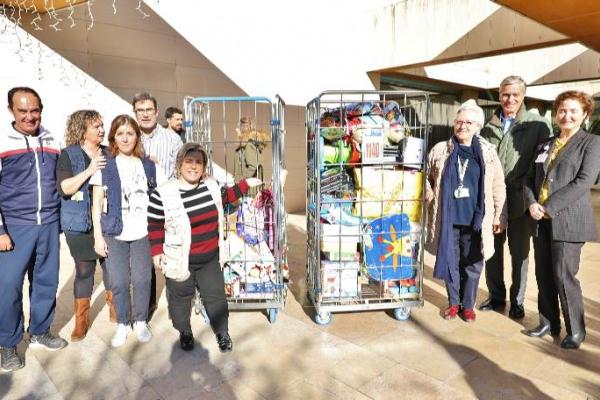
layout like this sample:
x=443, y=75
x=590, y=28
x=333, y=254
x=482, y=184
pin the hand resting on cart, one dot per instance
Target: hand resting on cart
x=253, y=182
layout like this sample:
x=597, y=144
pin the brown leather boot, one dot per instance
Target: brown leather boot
x=82, y=319
x=112, y=313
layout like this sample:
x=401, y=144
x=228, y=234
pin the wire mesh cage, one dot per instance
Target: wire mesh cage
x=365, y=208
x=244, y=137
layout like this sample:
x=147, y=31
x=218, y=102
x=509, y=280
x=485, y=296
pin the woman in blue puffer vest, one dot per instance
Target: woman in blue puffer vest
x=83, y=156
x=119, y=213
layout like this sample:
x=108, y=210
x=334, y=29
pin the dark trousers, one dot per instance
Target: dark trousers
x=556, y=264
x=83, y=284
x=129, y=265
x=152, y=303
x=36, y=252
x=208, y=278
x=464, y=279
x=519, y=234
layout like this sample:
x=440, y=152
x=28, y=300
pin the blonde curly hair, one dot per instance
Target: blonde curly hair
x=77, y=124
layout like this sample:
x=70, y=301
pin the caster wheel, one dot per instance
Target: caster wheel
x=323, y=318
x=272, y=313
x=402, y=313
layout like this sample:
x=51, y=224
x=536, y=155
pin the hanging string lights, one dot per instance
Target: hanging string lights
x=15, y=11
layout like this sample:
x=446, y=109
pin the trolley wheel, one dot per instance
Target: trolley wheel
x=323, y=318
x=402, y=313
x=272, y=314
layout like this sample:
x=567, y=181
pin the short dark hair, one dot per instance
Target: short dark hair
x=187, y=148
x=586, y=101
x=172, y=110
x=143, y=97
x=24, y=89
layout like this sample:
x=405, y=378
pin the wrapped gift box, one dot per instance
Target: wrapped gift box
x=383, y=192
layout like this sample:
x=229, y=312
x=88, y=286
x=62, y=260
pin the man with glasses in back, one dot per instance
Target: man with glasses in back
x=162, y=146
x=516, y=133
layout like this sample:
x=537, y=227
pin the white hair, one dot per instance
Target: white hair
x=471, y=105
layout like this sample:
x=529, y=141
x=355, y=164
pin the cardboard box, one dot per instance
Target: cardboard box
x=339, y=279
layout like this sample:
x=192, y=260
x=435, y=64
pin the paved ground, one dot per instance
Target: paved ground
x=366, y=355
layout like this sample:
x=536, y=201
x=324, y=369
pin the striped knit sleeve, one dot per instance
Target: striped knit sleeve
x=156, y=224
x=231, y=193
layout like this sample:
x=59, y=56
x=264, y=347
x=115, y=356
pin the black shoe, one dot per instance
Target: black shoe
x=225, y=343
x=10, y=359
x=47, y=341
x=516, y=311
x=541, y=330
x=186, y=341
x=491, y=304
x=572, y=341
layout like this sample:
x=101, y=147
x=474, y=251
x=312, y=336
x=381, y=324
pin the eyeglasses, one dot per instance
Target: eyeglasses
x=141, y=111
x=468, y=123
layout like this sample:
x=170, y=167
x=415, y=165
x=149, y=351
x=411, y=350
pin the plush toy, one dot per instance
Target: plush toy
x=338, y=154
x=392, y=135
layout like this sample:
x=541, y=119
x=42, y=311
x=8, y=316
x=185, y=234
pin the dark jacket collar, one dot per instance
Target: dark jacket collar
x=495, y=120
x=577, y=137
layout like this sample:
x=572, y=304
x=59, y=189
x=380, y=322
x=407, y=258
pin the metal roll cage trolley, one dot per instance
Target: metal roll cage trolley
x=366, y=169
x=253, y=271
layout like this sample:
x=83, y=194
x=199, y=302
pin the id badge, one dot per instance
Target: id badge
x=541, y=158
x=461, y=192
x=105, y=205
x=77, y=196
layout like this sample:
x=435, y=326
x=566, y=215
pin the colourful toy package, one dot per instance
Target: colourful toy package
x=388, y=248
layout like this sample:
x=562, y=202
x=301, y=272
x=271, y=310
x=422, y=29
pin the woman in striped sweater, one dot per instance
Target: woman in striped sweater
x=185, y=219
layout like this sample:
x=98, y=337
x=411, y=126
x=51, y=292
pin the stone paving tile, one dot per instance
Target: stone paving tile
x=577, y=371
x=144, y=393
x=362, y=327
x=418, y=351
x=497, y=351
x=88, y=368
x=400, y=382
x=485, y=379
x=318, y=386
x=29, y=382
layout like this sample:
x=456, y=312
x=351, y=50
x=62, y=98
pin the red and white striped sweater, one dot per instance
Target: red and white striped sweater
x=203, y=215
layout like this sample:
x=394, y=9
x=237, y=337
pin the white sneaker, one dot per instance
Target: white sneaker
x=121, y=334
x=142, y=332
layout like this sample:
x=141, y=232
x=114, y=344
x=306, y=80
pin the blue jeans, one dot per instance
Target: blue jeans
x=36, y=251
x=129, y=264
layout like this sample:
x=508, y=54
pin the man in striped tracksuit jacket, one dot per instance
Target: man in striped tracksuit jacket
x=29, y=227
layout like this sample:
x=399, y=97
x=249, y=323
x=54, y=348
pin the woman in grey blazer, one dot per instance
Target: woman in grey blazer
x=557, y=192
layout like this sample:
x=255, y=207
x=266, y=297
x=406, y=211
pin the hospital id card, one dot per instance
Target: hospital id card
x=461, y=192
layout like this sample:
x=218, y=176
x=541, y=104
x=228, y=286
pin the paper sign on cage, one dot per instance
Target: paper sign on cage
x=388, y=249
x=372, y=145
